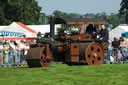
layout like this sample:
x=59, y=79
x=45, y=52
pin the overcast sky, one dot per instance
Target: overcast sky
x=80, y=6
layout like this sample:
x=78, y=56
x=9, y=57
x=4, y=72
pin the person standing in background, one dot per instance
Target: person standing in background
x=22, y=46
x=5, y=57
x=123, y=48
x=110, y=48
x=18, y=52
x=1, y=52
x=26, y=48
x=115, y=45
x=12, y=53
x=108, y=55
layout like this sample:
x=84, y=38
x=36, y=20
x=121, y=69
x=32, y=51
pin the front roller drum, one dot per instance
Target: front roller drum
x=94, y=54
x=38, y=63
x=40, y=57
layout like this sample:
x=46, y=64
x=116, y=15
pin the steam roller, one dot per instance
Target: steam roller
x=71, y=49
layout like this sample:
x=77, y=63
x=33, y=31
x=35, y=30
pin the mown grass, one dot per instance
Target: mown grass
x=62, y=74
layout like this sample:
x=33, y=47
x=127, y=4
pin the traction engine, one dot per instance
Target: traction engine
x=72, y=49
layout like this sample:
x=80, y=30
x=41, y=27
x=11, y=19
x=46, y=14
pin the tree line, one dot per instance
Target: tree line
x=29, y=13
x=112, y=19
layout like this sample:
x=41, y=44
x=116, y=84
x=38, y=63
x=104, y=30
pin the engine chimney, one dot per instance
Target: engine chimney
x=52, y=27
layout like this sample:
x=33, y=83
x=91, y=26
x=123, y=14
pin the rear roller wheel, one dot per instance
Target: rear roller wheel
x=94, y=54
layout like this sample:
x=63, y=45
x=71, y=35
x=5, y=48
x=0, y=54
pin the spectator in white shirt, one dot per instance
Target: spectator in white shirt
x=22, y=46
x=12, y=53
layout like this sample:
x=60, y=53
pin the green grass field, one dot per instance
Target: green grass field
x=62, y=74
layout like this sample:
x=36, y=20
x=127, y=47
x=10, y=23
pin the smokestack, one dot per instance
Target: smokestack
x=52, y=27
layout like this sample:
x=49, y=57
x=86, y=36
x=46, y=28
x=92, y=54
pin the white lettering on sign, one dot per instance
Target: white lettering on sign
x=15, y=34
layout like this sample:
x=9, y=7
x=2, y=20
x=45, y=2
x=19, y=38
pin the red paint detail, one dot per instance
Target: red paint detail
x=18, y=38
x=25, y=27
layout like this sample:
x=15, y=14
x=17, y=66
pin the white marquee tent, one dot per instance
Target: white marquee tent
x=116, y=32
x=17, y=31
x=43, y=28
x=2, y=27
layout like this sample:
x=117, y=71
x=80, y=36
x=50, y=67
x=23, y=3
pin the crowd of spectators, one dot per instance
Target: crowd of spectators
x=118, y=50
x=12, y=53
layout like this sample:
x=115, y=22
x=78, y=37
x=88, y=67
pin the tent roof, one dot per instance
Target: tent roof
x=125, y=28
x=17, y=29
x=18, y=26
x=25, y=27
x=116, y=32
x=2, y=27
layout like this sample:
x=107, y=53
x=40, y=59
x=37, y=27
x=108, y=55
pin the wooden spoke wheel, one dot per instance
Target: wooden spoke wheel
x=94, y=54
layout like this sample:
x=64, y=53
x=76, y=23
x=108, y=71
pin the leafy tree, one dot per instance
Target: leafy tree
x=113, y=19
x=43, y=18
x=3, y=20
x=58, y=13
x=1, y=15
x=98, y=15
x=89, y=15
x=75, y=15
x=26, y=11
x=104, y=15
x=124, y=9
